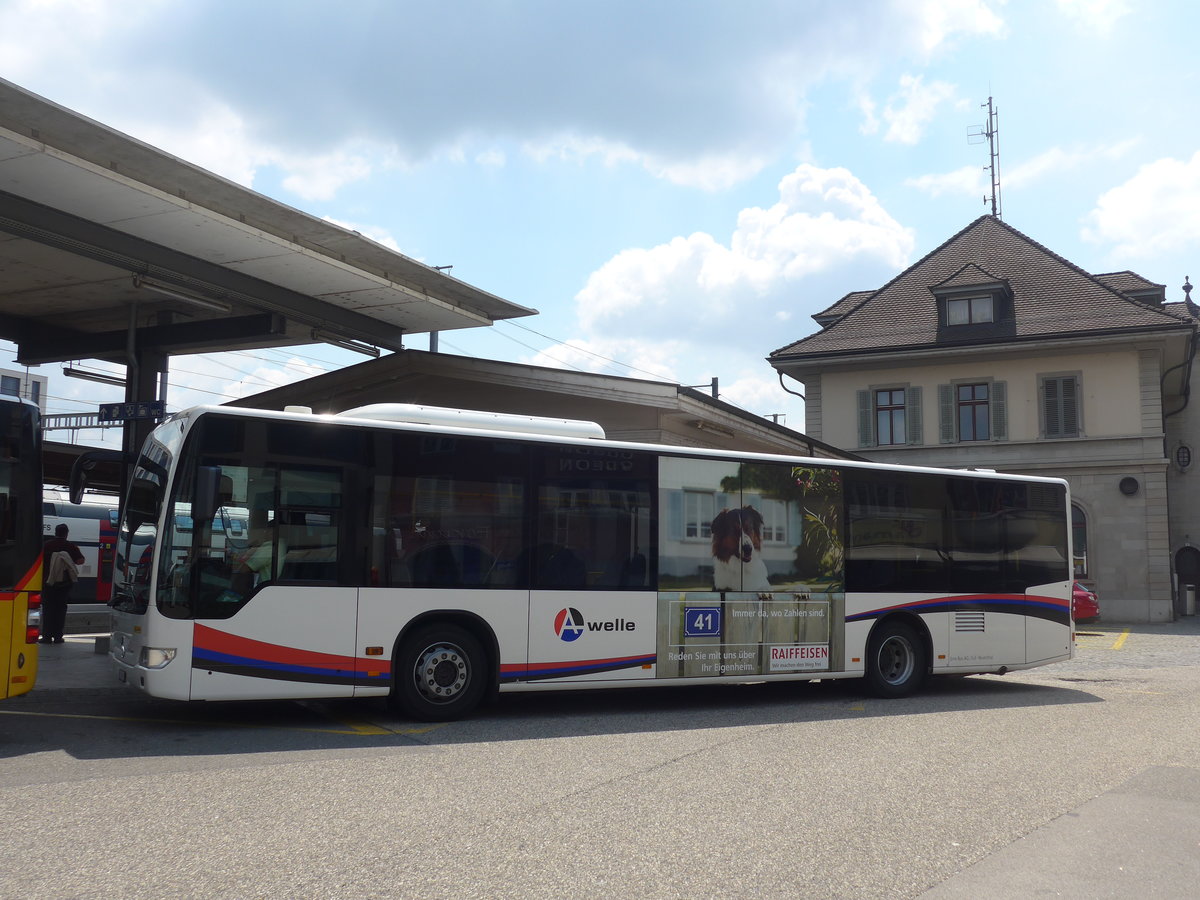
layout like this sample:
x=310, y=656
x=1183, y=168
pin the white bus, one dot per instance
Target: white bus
x=438, y=560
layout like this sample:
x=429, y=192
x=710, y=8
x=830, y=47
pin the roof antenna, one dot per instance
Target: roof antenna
x=990, y=132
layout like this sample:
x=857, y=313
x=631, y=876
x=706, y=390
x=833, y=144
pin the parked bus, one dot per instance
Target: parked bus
x=436, y=556
x=93, y=529
x=20, y=544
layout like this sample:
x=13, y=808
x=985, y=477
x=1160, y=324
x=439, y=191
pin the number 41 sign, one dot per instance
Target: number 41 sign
x=702, y=621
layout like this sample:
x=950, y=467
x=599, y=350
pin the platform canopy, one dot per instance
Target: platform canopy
x=102, y=235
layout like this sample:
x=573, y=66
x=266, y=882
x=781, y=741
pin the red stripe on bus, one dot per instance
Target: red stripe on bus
x=207, y=638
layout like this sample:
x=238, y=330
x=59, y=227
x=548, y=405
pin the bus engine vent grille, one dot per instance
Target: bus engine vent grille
x=969, y=621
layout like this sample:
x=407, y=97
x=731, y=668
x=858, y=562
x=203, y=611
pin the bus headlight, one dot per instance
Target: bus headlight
x=156, y=657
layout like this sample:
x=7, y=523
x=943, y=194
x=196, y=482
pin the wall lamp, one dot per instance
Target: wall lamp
x=176, y=294
x=715, y=429
x=98, y=377
x=345, y=343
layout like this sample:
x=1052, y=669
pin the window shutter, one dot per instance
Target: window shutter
x=1060, y=398
x=912, y=416
x=675, y=515
x=866, y=418
x=1070, y=408
x=999, y=410
x=1050, y=408
x=946, y=413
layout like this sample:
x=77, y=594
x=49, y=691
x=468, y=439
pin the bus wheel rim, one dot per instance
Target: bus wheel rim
x=896, y=660
x=442, y=672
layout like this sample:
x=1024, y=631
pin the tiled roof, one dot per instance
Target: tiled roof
x=843, y=306
x=1050, y=297
x=1183, y=308
x=968, y=276
x=1135, y=286
x=1127, y=282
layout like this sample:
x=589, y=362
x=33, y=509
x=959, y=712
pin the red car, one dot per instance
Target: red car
x=1085, y=605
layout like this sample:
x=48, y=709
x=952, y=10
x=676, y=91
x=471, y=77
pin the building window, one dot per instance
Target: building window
x=10, y=386
x=969, y=311
x=1060, y=406
x=699, y=507
x=889, y=417
x=1079, y=541
x=973, y=411
x=974, y=408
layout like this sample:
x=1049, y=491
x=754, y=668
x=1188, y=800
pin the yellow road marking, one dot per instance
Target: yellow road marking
x=1120, y=642
x=362, y=729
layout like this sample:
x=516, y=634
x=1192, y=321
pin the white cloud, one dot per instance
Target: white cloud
x=973, y=180
x=696, y=307
x=1057, y=160
x=866, y=106
x=914, y=106
x=1155, y=211
x=492, y=158
x=215, y=139
x=218, y=139
x=1096, y=16
x=710, y=172
x=967, y=180
x=709, y=108
x=74, y=27
x=320, y=177
x=942, y=20
x=825, y=219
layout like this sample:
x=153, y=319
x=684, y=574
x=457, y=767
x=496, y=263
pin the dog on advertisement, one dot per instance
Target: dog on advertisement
x=737, y=551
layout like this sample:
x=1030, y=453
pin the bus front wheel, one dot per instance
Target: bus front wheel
x=440, y=673
x=896, y=660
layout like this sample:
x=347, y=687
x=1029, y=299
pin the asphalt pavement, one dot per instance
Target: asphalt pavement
x=80, y=661
x=1141, y=838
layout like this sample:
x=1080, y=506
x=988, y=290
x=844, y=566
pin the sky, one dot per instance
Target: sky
x=677, y=187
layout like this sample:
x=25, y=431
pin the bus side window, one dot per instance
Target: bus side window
x=593, y=521
x=308, y=543
x=450, y=514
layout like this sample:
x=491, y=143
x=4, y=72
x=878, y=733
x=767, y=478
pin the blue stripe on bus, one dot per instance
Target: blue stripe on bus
x=585, y=667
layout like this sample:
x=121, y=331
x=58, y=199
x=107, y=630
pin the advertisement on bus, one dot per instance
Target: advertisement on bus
x=750, y=569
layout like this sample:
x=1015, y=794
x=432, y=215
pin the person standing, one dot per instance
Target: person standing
x=59, y=560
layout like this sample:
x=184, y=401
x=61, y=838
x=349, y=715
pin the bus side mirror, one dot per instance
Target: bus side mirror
x=208, y=489
x=86, y=464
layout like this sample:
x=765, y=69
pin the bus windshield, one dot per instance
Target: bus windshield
x=139, y=525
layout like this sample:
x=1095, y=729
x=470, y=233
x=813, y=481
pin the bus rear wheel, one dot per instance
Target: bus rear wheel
x=440, y=673
x=896, y=660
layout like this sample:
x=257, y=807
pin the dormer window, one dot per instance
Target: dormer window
x=969, y=310
x=972, y=305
